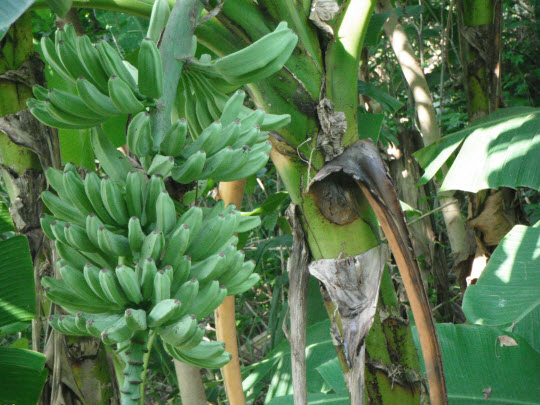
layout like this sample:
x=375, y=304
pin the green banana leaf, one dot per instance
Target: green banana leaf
x=22, y=376
x=386, y=100
x=5, y=220
x=509, y=287
x=17, y=300
x=499, y=150
x=10, y=11
x=315, y=399
x=22, y=372
x=276, y=366
x=476, y=365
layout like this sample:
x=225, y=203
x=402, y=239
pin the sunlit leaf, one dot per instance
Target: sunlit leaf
x=22, y=376
x=509, y=286
x=17, y=299
x=474, y=363
x=10, y=11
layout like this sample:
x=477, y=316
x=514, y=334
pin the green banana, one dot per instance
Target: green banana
x=129, y=283
x=113, y=65
x=205, y=350
x=253, y=119
x=122, y=96
x=179, y=332
x=118, y=332
x=92, y=188
x=161, y=165
x=55, y=178
x=150, y=69
x=113, y=244
x=205, y=308
x=232, y=108
x=205, y=298
x=181, y=273
x=148, y=274
x=136, y=319
x=155, y=187
x=153, y=245
x=135, y=234
x=162, y=287
x=139, y=134
x=49, y=53
x=75, y=280
x=39, y=111
x=216, y=232
x=240, y=274
x=187, y=293
x=114, y=201
x=80, y=322
x=244, y=286
x=191, y=169
x=66, y=119
x=70, y=59
x=72, y=256
x=69, y=324
x=164, y=313
x=194, y=340
x=136, y=188
x=96, y=324
x=220, y=161
x=89, y=56
x=113, y=162
x=78, y=238
x=193, y=218
x=174, y=140
x=208, y=268
x=74, y=188
x=111, y=287
x=40, y=92
x=257, y=160
x=71, y=103
x=216, y=362
x=46, y=224
x=207, y=141
x=158, y=19
x=59, y=232
x=177, y=244
x=91, y=275
x=94, y=99
x=59, y=293
x=54, y=321
x=165, y=212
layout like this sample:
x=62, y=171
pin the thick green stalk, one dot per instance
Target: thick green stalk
x=135, y=368
x=175, y=48
x=342, y=61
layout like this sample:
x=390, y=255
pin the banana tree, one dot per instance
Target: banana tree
x=340, y=201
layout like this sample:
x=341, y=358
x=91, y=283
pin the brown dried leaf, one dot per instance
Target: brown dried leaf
x=506, y=340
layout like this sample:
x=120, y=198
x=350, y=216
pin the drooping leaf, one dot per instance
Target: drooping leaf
x=500, y=150
x=509, y=287
x=319, y=350
x=22, y=376
x=386, y=100
x=369, y=126
x=6, y=225
x=474, y=361
x=504, y=155
x=333, y=375
x=17, y=299
x=271, y=204
x=10, y=11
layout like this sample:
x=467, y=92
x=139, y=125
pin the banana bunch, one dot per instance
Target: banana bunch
x=256, y=62
x=102, y=82
x=130, y=264
x=201, y=103
x=228, y=149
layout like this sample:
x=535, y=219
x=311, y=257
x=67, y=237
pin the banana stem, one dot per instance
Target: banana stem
x=135, y=368
x=175, y=48
x=232, y=193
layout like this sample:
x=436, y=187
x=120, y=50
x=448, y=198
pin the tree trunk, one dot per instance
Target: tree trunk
x=79, y=370
x=491, y=213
